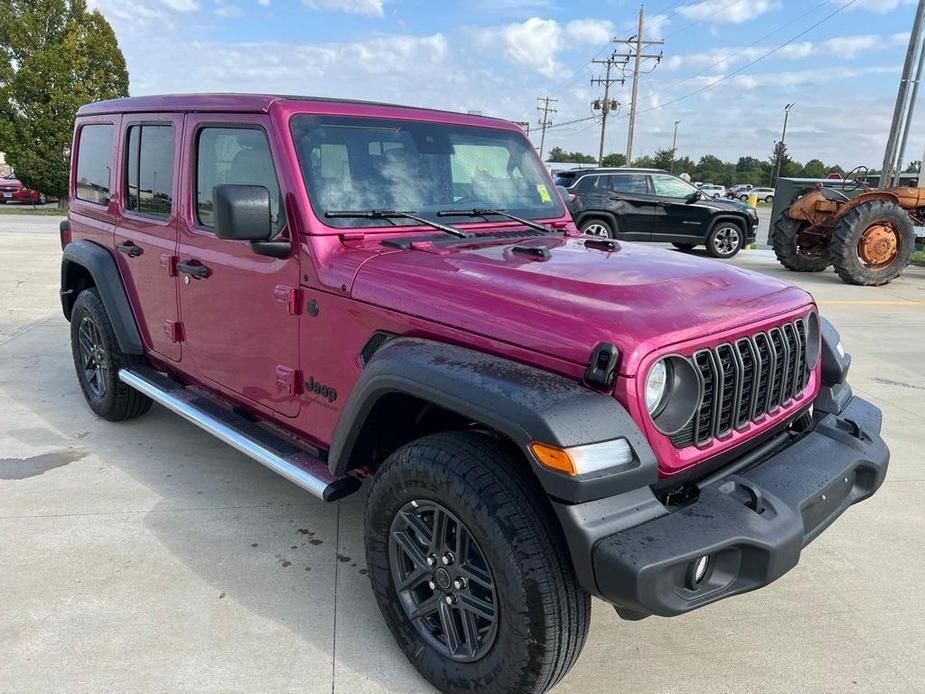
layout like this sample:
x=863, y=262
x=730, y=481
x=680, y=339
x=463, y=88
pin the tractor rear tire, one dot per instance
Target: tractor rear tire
x=784, y=242
x=873, y=243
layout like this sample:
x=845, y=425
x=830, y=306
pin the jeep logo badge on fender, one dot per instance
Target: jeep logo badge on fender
x=327, y=392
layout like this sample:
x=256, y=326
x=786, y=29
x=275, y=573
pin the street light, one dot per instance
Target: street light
x=782, y=136
x=674, y=145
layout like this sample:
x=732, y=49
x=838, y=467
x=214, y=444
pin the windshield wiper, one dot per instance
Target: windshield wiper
x=480, y=212
x=395, y=214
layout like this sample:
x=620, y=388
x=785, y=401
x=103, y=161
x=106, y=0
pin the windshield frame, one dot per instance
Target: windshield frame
x=557, y=211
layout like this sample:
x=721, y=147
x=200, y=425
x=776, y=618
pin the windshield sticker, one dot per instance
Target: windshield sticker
x=544, y=193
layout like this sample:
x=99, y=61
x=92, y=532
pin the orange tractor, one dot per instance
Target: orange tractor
x=869, y=238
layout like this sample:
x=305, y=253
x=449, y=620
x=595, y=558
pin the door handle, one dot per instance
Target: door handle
x=194, y=268
x=129, y=248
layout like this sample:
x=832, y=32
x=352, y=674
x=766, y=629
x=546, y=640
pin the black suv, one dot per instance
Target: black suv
x=653, y=205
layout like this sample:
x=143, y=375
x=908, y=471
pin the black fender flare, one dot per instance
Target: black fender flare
x=609, y=217
x=102, y=267
x=521, y=402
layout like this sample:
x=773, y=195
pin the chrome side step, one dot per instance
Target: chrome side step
x=268, y=449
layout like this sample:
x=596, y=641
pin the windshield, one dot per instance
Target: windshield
x=372, y=164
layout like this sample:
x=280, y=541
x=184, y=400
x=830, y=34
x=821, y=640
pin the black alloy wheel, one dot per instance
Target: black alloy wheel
x=443, y=581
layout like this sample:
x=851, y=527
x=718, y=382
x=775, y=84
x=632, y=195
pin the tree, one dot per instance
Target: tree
x=615, y=159
x=913, y=167
x=781, y=162
x=663, y=158
x=559, y=154
x=814, y=168
x=54, y=57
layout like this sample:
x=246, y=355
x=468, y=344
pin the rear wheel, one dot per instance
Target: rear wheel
x=470, y=568
x=810, y=254
x=97, y=358
x=683, y=246
x=873, y=243
x=597, y=227
x=725, y=240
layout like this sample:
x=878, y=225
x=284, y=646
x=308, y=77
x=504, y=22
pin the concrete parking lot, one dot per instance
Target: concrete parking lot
x=147, y=556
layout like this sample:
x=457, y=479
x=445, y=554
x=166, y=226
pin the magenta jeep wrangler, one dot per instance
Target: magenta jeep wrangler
x=349, y=291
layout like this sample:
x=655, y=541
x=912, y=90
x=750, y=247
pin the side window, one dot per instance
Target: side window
x=94, y=163
x=233, y=155
x=149, y=170
x=634, y=184
x=670, y=187
x=586, y=184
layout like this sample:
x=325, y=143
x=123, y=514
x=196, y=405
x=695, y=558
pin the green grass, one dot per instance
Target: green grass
x=28, y=209
x=918, y=258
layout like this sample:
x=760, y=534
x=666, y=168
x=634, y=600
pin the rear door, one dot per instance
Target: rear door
x=676, y=219
x=146, y=233
x=241, y=321
x=630, y=199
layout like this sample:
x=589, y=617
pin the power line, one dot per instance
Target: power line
x=544, y=123
x=753, y=62
x=740, y=51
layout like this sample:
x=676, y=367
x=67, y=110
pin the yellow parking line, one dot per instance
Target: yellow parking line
x=869, y=302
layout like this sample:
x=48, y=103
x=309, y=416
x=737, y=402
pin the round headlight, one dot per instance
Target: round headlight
x=656, y=385
x=672, y=393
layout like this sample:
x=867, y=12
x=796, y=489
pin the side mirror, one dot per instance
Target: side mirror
x=242, y=213
x=693, y=197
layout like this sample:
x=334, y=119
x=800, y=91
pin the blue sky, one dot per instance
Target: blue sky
x=497, y=56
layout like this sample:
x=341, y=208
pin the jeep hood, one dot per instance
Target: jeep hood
x=638, y=297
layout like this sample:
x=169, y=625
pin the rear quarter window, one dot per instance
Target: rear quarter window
x=94, y=163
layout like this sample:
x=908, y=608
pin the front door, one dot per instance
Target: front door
x=676, y=216
x=632, y=203
x=146, y=233
x=240, y=321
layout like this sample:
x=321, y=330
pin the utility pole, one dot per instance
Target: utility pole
x=637, y=43
x=901, y=107
x=783, y=135
x=545, y=109
x=913, y=97
x=606, y=106
x=674, y=145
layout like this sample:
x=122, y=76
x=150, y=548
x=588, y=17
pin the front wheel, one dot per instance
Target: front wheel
x=725, y=240
x=796, y=251
x=97, y=358
x=470, y=568
x=597, y=227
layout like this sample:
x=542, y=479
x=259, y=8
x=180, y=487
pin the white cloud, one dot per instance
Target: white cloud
x=181, y=5
x=532, y=44
x=265, y=3
x=879, y=6
x=722, y=12
x=593, y=32
x=369, y=8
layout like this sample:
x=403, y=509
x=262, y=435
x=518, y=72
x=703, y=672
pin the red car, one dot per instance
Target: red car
x=350, y=292
x=12, y=190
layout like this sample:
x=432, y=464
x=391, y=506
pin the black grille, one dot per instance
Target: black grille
x=746, y=379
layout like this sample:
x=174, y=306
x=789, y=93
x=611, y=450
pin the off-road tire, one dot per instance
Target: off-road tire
x=600, y=223
x=844, y=251
x=119, y=402
x=783, y=240
x=543, y=615
x=683, y=246
x=714, y=248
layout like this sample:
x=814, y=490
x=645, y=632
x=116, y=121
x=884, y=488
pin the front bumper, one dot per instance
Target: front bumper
x=752, y=525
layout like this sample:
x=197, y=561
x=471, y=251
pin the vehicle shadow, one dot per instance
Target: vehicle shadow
x=254, y=538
